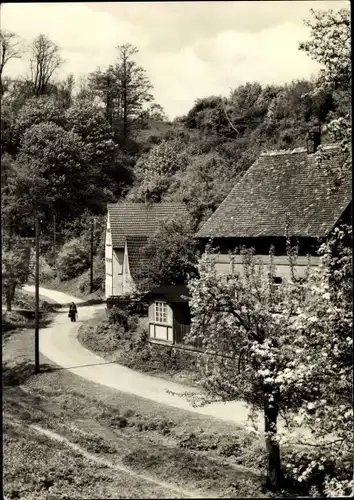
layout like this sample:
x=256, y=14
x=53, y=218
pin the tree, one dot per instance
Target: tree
x=53, y=174
x=155, y=171
x=10, y=48
x=14, y=271
x=125, y=90
x=203, y=184
x=45, y=60
x=135, y=90
x=111, y=167
x=172, y=254
x=323, y=361
x=73, y=259
x=36, y=110
x=330, y=46
x=245, y=335
x=64, y=92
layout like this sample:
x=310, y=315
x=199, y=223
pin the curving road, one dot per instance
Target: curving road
x=59, y=343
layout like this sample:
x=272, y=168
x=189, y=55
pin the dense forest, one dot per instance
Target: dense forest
x=68, y=148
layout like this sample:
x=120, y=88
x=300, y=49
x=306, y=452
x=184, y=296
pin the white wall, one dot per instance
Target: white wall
x=128, y=282
x=108, y=261
x=224, y=265
x=118, y=258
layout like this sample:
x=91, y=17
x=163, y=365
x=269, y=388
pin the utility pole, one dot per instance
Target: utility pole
x=54, y=244
x=91, y=254
x=36, y=327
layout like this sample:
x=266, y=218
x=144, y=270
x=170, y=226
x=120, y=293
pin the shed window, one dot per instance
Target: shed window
x=160, y=312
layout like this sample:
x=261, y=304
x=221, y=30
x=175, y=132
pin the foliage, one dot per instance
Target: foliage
x=154, y=170
x=125, y=90
x=285, y=350
x=99, y=274
x=170, y=254
x=14, y=270
x=46, y=272
x=34, y=112
x=203, y=184
x=323, y=360
x=124, y=317
x=330, y=45
x=53, y=174
x=73, y=259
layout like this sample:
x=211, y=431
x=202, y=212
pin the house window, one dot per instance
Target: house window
x=277, y=281
x=160, y=312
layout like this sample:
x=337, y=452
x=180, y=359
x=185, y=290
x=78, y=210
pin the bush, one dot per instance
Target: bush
x=123, y=317
x=83, y=285
x=73, y=259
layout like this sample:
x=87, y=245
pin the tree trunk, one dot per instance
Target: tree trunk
x=8, y=299
x=273, y=477
x=125, y=102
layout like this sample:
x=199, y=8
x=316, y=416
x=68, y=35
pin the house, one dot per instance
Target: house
x=128, y=227
x=169, y=314
x=282, y=188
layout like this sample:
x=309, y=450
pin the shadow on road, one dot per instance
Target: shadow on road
x=59, y=368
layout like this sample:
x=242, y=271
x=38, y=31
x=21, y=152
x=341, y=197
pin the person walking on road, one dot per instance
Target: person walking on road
x=72, y=311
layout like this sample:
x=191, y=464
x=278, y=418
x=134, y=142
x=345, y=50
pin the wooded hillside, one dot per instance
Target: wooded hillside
x=68, y=148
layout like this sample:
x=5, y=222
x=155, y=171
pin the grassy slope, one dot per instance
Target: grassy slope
x=101, y=341
x=71, y=287
x=167, y=446
x=14, y=320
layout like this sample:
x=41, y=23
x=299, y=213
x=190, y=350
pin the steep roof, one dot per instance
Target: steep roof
x=173, y=293
x=139, y=219
x=138, y=260
x=277, y=185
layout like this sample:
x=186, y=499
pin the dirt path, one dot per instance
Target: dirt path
x=59, y=343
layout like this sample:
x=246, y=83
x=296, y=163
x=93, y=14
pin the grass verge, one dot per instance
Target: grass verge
x=129, y=349
x=152, y=451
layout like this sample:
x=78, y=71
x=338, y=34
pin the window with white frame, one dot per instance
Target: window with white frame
x=160, y=312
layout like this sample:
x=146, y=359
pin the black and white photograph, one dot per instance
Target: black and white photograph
x=176, y=249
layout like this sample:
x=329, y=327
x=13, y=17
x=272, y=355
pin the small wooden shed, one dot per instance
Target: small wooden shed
x=169, y=314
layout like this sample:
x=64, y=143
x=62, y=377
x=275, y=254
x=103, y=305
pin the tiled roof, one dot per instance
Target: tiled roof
x=139, y=219
x=138, y=260
x=173, y=293
x=278, y=185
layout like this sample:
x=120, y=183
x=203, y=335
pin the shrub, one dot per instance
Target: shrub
x=73, y=259
x=122, y=316
x=83, y=285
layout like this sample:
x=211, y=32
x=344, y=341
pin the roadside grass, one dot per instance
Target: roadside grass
x=101, y=337
x=167, y=445
x=17, y=319
x=38, y=467
x=72, y=287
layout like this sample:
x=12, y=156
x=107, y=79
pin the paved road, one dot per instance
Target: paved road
x=59, y=343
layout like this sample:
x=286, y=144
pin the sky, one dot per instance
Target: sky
x=188, y=49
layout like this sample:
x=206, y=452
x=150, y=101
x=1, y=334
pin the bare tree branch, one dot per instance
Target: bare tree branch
x=45, y=60
x=10, y=48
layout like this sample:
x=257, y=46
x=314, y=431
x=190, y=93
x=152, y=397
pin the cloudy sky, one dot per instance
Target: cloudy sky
x=189, y=49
